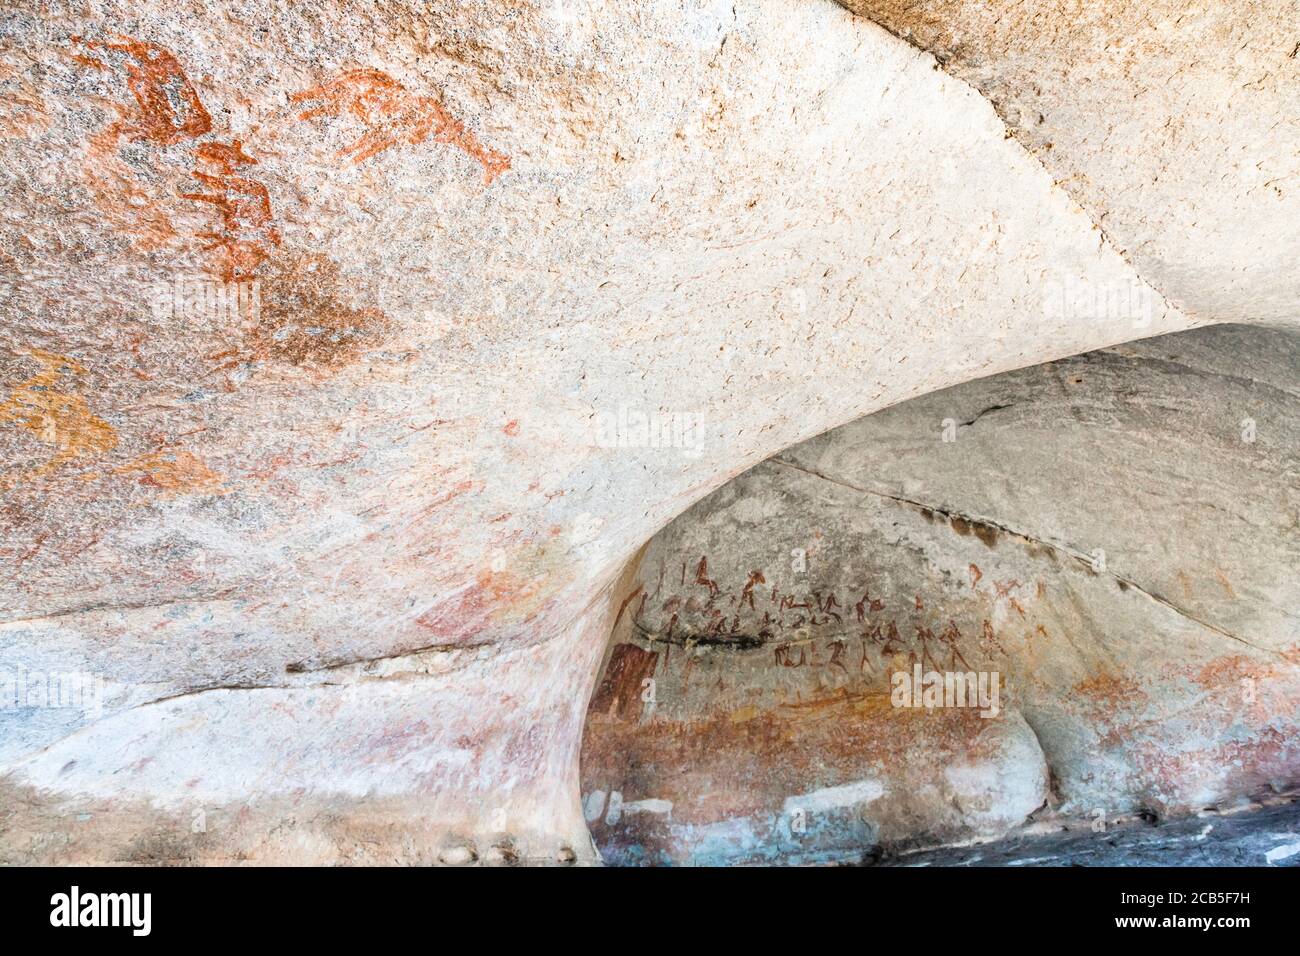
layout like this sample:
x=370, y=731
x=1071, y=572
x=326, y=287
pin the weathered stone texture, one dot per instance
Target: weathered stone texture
x=479, y=232
x=1098, y=531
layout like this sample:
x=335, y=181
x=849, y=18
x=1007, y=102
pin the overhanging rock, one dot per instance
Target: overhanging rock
x=316, y=322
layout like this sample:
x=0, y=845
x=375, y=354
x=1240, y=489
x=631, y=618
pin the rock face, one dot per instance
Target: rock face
x=1184, y=158
x=1265, y=836
x=1113, y=536
x=351, y=353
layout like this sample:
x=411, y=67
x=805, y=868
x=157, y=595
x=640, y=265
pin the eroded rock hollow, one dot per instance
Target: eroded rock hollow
x=1112, y=536
x=352, y=354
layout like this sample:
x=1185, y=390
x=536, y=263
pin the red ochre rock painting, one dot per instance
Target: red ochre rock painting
x=392, y=115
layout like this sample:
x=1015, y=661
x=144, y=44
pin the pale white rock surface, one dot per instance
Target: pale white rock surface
x=481, y=234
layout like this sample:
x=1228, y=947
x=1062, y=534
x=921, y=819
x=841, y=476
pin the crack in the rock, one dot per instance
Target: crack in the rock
x=941, y=60
x=1078, y=556
x=987, y=411
x=1171, y=364
x=1054, y=795
x=121, y=606
x=1125, y=831
x=734, y=642
x=210, y=688
x=32, y=755
x=307, y=684
x=302, y=667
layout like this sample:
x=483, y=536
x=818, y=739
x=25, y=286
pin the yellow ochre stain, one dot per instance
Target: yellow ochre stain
x=57, y=418
x=174, y=471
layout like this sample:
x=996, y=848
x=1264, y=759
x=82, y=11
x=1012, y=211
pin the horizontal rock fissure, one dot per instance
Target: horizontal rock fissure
x=1006, y=529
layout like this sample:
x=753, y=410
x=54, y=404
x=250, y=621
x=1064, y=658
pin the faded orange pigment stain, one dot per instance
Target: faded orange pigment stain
x=492, y=596
x=248, y=231
x=305, y=320
x=1233, y=669
x=1225, y=583
x=60, y=419
x=507, y=596
x=760, y=758
x=127, y=206
x=1254, y=763
x=175, y=472
x=23, y=112
x=391, y=115
x=1110, y=693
